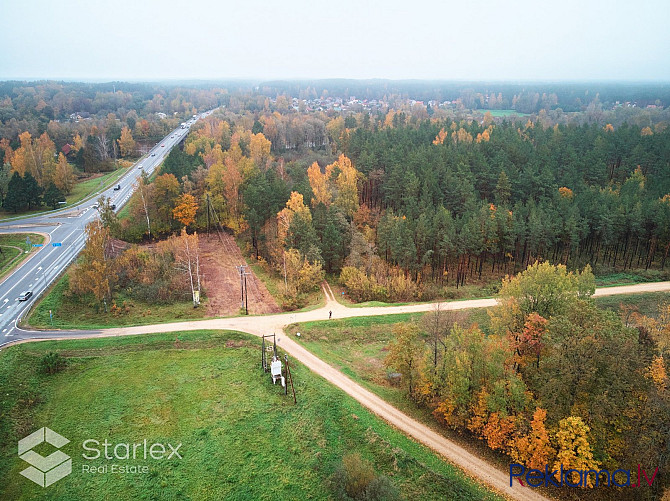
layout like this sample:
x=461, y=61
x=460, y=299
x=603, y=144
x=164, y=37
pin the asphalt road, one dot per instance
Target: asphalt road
x=66, y=237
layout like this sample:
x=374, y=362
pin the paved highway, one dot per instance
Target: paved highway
x=66, y=237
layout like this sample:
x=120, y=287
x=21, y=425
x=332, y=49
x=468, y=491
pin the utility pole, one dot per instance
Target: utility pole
x=246, y=294
x=241, y=270
x=208, y=209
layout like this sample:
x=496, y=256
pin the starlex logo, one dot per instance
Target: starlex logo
x=44, y=471
x=560, y=477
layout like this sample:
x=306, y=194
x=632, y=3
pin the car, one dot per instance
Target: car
x=153, y=154
x=162, y=146
x=117, y=187
x=140, y=166
x=171, y=137
x=25, y=295
x=95, y=206
x=113, y=206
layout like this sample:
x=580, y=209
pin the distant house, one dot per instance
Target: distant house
x=161, y=115
x=66, y=149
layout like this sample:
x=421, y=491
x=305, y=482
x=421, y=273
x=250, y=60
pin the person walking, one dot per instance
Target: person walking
x=330, y=315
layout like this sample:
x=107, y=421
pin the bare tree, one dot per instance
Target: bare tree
x=142, y=188
x=438, y=322
x=102, y=145
x=187, y=259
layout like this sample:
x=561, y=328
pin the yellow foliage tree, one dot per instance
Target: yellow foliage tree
x=64, y=177
x=319, y=184
x=441, y=136
x=259, y=148
x=92, y=272
x=186, y=209
x=126, y=142
x=347, y=186
x=574, y=449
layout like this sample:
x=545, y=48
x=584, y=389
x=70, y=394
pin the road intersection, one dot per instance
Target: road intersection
x=65, y=237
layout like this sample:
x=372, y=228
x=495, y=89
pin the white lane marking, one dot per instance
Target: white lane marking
x=47, y=255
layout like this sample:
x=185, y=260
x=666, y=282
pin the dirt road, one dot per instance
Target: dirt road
x=258, y=325
x=220, y=258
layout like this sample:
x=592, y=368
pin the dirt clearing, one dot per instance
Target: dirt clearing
x=219, y=258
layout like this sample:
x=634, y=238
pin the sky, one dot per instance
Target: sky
x=511, y=40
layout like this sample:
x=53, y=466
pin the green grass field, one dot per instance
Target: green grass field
x=13, y=248
x=242, y=439
x=88, y=187
x=72, y=312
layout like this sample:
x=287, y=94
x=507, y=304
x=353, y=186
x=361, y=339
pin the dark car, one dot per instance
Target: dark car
x=25, y=295
x=113, y=206
x=117, y=187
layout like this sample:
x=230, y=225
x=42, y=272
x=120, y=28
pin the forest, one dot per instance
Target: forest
x=399, y=201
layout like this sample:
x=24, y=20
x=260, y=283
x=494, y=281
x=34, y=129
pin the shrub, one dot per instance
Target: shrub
x=356, y=479
x=52, y=362
x=381, y=489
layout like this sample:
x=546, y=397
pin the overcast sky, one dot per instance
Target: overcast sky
x=462, y=40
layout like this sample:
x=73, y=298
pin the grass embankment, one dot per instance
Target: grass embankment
x=241, y=437
x=631, y=277
x=14, y=249
x=72, y=312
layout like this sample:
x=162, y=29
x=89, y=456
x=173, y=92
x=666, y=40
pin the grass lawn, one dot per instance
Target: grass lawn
x=88, y=187
x=612, y=279
x=11, y=255
x=646, y=304
x=70, y=312
x=242, y=439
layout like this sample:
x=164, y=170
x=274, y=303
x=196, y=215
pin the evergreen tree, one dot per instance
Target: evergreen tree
x=33, y=192
x=52, y=196
x=16, y=198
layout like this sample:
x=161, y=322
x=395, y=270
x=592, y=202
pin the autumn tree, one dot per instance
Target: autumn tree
x=94, y=271
x=259, y=149
x=319, y=183
x=186, y=252
x=108, y=215
x=126, y=142
x=186, y=209
x=166, y=191
x=405, y=352
x=64, y=177
x=347, y=186
x=574, y=449
x=534, y=449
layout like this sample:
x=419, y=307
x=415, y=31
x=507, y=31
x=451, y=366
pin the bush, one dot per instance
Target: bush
x=355, y=479
x=52, y=362
x=381, y=489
